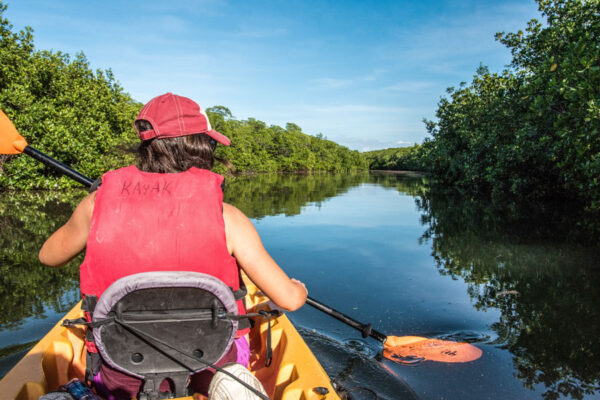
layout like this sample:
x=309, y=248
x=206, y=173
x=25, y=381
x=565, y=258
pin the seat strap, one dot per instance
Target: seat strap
x=268, y=315
x=239, y=294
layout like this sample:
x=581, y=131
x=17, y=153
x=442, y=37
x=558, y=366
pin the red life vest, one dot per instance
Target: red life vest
x=157, y=222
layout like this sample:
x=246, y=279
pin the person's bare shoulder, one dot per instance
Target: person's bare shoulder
x=235, y=220
x=231, y=211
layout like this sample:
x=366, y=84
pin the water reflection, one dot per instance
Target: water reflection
x=530, y=265
x=272, y=194
x=525, y=264
x=29, y=289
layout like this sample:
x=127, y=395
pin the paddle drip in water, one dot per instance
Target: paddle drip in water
x=413, y=349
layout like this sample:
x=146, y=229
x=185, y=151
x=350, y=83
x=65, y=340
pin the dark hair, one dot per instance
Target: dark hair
x=178, y=154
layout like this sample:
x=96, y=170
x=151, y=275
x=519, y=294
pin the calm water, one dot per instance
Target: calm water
x=411, y=258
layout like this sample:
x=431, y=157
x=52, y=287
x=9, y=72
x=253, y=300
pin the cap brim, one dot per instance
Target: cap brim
x=219, y=137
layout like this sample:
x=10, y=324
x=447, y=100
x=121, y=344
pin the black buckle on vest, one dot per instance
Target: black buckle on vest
x=89, y=304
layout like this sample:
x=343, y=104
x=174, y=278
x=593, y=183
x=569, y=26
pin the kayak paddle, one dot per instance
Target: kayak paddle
x=402, y=349
x=407, y=349
x=11, y=142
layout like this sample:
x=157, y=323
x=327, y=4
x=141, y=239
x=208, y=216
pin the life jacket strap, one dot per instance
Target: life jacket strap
x=240, y=293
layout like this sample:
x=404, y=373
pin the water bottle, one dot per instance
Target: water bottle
x=80, y=391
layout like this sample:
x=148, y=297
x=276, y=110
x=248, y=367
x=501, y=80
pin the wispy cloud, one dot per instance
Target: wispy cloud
x=447, y=43
x=330, y=83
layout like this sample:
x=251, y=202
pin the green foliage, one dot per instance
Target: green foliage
x=84, y=119
x=81, y=117
x=256, y=147
x=397, y=159
x=530, y=132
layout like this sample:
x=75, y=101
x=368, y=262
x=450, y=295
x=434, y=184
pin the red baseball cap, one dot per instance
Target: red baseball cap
x=172, y=116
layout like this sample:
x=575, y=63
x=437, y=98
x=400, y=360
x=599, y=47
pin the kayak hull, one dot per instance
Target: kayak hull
x=294, y=372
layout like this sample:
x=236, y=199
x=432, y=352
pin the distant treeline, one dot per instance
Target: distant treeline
x=85, y=119
x=257, y=147
x=397, y=158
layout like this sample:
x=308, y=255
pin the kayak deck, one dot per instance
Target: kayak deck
x=60, y=356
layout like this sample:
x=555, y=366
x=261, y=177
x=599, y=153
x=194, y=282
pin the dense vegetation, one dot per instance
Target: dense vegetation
x=62, y=107
x=398, y=158
x=530, y=132
x=85, y=119
x=256, y=147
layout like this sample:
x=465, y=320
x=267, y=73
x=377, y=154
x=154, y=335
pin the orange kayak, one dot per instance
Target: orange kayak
x=294, y=373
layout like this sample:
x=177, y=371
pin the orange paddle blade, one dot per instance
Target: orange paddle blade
x=410, y=349
x=10, y=140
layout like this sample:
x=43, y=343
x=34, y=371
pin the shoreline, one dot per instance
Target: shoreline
x=412, y=174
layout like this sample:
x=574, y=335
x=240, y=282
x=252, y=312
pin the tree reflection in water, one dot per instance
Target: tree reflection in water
x=532, y=266
x=27, y=218
x=521, y=262
x=27, y=287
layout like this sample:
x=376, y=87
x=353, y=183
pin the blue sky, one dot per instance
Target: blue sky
x=363, y=73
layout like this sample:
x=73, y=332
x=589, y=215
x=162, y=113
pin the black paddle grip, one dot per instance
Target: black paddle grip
x=365, y=329
x=58, y=166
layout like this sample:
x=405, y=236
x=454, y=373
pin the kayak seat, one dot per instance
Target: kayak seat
x=165, y=325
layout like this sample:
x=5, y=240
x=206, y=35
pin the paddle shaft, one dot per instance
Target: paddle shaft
x=365, y=329
x=57, y=165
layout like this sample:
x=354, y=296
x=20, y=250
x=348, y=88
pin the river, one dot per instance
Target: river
x=391, y=249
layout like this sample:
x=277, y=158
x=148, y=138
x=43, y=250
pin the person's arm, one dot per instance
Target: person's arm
x=247, y=248
x=71, y=238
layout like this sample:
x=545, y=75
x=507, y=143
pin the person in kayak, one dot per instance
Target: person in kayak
x=168, y=214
